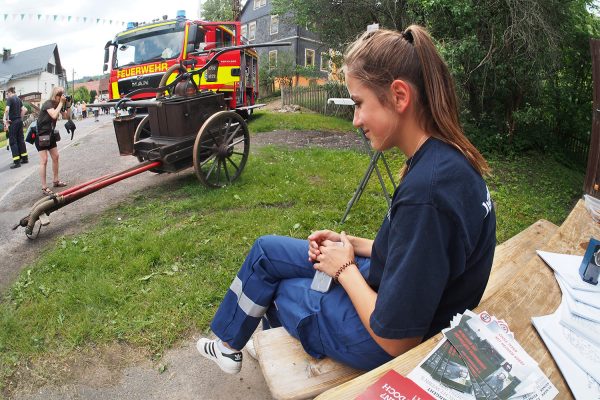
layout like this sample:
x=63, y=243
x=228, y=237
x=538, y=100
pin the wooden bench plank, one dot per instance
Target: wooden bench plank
x=532, y=291
x=290, y=373
x=287, y=368
x=514, y=253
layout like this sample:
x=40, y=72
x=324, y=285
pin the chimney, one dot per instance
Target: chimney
x=5, y=54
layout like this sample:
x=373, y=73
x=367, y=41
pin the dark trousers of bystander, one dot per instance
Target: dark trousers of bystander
x=17, y=141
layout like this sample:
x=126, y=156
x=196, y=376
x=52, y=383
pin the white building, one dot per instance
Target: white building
x=32, y=72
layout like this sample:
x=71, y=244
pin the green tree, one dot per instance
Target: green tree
x=216, y=10
x=93, y=95
x=82, y=94
x=522, y=67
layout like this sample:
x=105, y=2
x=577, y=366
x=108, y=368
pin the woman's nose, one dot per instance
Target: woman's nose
x=356, y=121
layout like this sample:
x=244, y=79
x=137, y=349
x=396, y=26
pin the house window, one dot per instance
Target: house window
x=309, y=57
x=252, y=30
x=244, y=31
x=50, y=68
x=274, y=24
x=259, y=3
x=272, y=59
x=325, y=62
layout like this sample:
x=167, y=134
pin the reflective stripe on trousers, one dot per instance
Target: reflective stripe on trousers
x=276, y=276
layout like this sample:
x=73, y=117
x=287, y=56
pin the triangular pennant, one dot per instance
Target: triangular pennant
x=39, y=16
x=55, y=17
x=84, y=19
x=97, y=20
x=5, y=16
x=69, y=20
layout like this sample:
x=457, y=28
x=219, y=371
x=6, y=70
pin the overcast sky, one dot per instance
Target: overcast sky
x=80, y=44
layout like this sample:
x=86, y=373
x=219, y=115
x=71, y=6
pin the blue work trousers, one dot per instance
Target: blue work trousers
x=274, y=281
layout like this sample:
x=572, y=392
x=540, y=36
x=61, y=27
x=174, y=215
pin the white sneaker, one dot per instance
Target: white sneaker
x=251, y=349
x=230, y=363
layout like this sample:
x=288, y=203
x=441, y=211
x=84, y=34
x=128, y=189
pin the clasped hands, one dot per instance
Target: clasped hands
x=329, y=251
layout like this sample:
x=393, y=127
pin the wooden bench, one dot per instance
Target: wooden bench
x=531, y=291
x=290, y=373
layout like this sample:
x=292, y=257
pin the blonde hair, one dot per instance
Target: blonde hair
x=377, y=58
x=55, y=91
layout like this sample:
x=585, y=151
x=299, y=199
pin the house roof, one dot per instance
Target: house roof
x=90, y=85
x=103, y=86
x=28, y=62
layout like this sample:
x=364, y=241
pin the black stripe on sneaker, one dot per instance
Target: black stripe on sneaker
x=212, y=349
x=206, y=348
x=237, y=356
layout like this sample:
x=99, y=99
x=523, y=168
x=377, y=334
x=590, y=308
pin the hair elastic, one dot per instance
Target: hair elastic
x=342, y=268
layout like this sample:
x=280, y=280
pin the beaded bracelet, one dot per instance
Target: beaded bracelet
x=342, y=268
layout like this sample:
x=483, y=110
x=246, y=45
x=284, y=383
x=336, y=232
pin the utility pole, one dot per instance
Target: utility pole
x=73, y=83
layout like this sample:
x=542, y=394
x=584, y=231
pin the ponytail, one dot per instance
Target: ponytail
x=440, y=95
x=379, y=57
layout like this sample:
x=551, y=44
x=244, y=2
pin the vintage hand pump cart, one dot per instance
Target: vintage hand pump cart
x=184, y=127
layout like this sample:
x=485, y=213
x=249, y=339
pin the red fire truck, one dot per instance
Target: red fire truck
x=140, y=55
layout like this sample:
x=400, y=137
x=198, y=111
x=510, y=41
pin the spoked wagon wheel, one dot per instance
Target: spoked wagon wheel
x=142, y=132
x=221, y=149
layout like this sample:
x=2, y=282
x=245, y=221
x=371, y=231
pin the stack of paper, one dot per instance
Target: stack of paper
x=572, y=333
x=479, y=358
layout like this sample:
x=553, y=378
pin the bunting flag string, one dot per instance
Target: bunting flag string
x=60, y=18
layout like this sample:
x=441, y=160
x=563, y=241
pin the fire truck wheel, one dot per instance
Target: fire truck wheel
x=221, y=149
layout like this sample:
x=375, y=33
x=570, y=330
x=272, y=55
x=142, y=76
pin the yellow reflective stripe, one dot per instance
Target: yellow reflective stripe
x=223, y=77
x=24, y=155
x=145, y=27
x=115, y=90
x=16, y=158
x=185, y=40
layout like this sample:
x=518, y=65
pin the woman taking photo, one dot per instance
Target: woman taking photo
x=46, y=124
x=432, y=255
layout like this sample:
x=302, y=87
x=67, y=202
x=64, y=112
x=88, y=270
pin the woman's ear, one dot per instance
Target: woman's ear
x=401, y=95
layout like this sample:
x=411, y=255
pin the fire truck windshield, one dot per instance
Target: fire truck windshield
x=148, y=46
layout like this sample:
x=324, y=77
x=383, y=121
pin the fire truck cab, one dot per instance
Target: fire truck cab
x=139, y=56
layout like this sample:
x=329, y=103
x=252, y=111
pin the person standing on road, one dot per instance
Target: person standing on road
x=46, y=122
x=96, y=110
x=13, y=118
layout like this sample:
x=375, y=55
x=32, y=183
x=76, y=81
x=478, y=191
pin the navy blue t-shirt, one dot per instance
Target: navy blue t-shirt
x=15, y=104
x=433, y=253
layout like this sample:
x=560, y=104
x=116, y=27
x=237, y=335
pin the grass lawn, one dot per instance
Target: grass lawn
x=264, y=121
x=153, y=270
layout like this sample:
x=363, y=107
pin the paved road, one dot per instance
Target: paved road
x=91, y=153
x=94, y=153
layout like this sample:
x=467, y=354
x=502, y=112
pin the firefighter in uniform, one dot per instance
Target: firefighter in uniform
x=13, y=118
